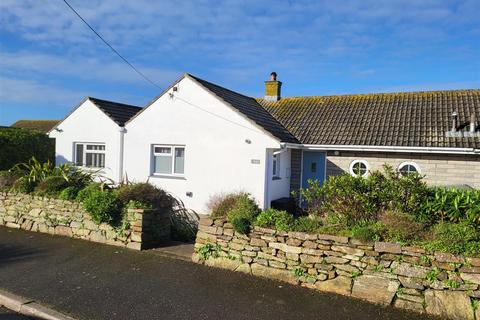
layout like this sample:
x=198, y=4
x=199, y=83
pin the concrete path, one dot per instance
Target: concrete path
x=92, y=281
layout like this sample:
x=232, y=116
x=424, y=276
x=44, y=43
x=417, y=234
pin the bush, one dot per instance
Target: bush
x=7, y=180
x=69, y=193
x=220, y=204
x=367, y=231
x=23, y=185
x=144, y=195
x=103, y=206
x=452, y=205
x=306, y=224
x=280, y=220
x=243, y=213
x=19, y=145
x=88, y=190
x=400, y=227
x=456, y=238
x=51, y=186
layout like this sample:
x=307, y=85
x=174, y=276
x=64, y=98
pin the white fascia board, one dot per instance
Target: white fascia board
x=383, y=148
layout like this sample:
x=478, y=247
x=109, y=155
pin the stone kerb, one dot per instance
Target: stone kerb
x=380, y=272
x=142, y=228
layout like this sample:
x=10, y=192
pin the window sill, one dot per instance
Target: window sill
x=167, y=176
x=276, y=178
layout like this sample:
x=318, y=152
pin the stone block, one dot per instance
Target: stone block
x=448, y=257
x=453, y=305
x=293, y=242
x=375, y=289
x=388, y=247
x=310, y=259
x=408, y=270
x=134, y=245
x=273, y=273
x=310, y=244
x=409, y=305
x=302, y=235
x=412, y=283
x=336, y=260
x=339, y=285
x=258, y=242
x=277, y=264
x=285, y=248
x=348, y=250
x=471, y=277
x=63, y=231
x=245, y=268
x=330, y=237
x=223, y=263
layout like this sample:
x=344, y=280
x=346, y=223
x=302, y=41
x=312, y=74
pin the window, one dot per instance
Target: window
x=359, y=168
x=408, y=167
x=168, y=160
x=90, y=155
x=276, y=166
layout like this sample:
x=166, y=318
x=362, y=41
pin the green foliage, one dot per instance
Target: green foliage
x=453, y=205
x=209, y=250
x=23, y=185
x=144, y=195
x=220, y=204
x=367, y=231
x=88, y=190
x=103, y=206
x=400, y=227
x=306, y=224
x=432, y=275
x=51, y=186
x=280, y=220
x=452, y=284
x=69, y=193
x=133, y=204
x=19, y=145
x=243, y=213
x=457, y=238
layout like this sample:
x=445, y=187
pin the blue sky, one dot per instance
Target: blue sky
x=49, y=60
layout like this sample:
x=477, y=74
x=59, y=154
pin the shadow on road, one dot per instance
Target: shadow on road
x=11, y=253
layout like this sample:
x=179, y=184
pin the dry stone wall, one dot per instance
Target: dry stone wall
x=142, y=228
x=380, y=272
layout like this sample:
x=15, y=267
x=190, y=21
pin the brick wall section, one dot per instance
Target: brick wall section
x=147, y=228
x=438, y=169
x=385, y=273
x=295, y=170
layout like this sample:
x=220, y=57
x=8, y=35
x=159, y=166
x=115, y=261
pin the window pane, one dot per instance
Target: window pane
x=163, y=164
x=359, y=169
x=179, y=160
x=89, y=160
x=164, y=150
x=79, y=155
x=274, y=166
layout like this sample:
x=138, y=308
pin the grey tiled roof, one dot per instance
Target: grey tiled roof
x=250, y=108
x=118, y=112
x=409, y=119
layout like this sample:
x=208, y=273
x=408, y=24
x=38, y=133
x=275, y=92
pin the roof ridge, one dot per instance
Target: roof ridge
x=216, y=85
x=380, y=94
x=109, y=101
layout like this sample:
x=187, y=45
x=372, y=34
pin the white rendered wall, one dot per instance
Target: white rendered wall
x=89, y=124
x=217, y=158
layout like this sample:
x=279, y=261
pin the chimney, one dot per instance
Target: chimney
x=454, y=121
x=273, y=88
x=472, y=123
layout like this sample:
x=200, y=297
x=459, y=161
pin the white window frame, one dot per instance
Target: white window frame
x=365, y=162
x=85, y=151
x=171, y=155
x=276, y=166
x=411, y=163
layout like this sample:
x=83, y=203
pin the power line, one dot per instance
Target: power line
x=112, y=48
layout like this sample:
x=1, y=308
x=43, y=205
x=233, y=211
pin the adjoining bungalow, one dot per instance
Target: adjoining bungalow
x=198, y=139
x=91, y=136
x=40, y=125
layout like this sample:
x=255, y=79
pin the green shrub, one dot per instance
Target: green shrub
x=400, y=227
x=367, y=231
x=88, y=190
x=69, y=193
x=457, y=238
x=144, y=195
x=220, y=204
x=243, y=213
x=103, y=206
x=23, y=185
x=452, y=205
x=306, y=224
x=19, y=145
x=7, y=180
x=51, y=186
x=280, y=220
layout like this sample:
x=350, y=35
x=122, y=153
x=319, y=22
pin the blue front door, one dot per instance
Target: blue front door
x=313, y=167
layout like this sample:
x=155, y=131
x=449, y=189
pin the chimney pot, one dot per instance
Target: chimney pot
x=273, y=88
x=472, y=123
x=454, y=121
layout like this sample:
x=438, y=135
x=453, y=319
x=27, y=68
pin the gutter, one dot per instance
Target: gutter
x=382, y=148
